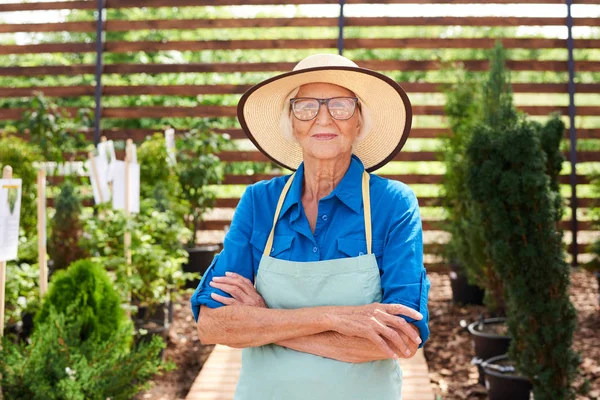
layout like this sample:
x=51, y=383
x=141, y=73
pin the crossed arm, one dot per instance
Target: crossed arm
x=345, y=333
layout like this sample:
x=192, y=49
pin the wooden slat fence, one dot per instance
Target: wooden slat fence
x=119, y=122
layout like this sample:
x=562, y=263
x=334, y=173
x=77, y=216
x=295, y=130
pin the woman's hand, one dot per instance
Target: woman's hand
x=378, y=323
x=240, y=288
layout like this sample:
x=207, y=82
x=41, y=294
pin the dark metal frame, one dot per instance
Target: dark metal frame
x=572, y=134
x=341, y=28
x=99, y=68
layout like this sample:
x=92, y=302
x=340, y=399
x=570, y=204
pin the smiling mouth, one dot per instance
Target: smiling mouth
x=324, y=136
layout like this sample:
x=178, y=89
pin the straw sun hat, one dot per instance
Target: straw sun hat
x=264, y=109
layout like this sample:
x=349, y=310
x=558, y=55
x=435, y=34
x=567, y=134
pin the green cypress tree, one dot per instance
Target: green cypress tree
x=513, y=167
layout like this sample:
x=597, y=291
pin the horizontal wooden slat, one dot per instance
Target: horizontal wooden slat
x=199, y=45
x=423, y=200
x=223, y=23
x=410, y=179
x=140, y=134
x=91, y=5
x=231, y=111
x=428, y=225
x=194, y=90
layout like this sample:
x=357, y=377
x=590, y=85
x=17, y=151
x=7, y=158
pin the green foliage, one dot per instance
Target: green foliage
x=53, y=130
x=21, y=291
x=466, y=248
x=85, y=286
x=21, y=156
x=63, y=244
x=156, y=251
x=158, y=178
x=197, y=167
x=60, y=364
x=508, y=180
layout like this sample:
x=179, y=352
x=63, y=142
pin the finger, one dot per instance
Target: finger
x=233, y=290
x=229, y=280
x=393, y=336
x=379, y=342
x=228, y=301
x=243, y=284
x=243, y=278
x=399, y=323
x=396, y=309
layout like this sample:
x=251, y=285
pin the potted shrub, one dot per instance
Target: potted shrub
x=66, y=228
x=512, y=163
x=471, y=271
x=198, y=167
x=593, y=265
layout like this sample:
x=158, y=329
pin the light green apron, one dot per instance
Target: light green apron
x=273, y=372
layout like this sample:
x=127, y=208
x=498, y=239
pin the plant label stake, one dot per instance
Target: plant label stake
x=170, y=142
x=41, y=227
x=10, y=208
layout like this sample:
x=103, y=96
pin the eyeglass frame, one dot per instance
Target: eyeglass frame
x=326, y=102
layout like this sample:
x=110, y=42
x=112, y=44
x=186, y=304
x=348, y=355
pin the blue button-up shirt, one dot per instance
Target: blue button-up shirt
x=397, y=238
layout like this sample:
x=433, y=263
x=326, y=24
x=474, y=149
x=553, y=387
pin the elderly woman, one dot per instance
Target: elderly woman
x=321, y=278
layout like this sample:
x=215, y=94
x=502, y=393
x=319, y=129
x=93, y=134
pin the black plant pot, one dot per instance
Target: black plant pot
x=199, y=260
x=502, y=382
x=145, y=330
x=486, y=344
x=462, y=291
x=27, y=327
x=162, y=312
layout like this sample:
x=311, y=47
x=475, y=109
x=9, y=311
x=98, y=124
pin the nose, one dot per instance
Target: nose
x=323, y=117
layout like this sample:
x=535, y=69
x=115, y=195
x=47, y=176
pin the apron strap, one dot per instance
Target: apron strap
x=269, y=244
x=366, y=206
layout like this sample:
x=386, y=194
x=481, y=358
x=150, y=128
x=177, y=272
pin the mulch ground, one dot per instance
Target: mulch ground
x=448, y=352
x=185, y=350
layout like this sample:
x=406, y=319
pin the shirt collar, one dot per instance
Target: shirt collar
x=349, y=190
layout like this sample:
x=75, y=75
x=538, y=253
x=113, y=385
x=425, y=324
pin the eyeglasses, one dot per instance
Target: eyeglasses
x=307, y=108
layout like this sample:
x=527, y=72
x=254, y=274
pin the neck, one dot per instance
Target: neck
x=322, y=176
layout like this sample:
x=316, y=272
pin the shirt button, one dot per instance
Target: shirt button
x=360, y=253
x=315, y=249
x=324, y=217
x=272, y=249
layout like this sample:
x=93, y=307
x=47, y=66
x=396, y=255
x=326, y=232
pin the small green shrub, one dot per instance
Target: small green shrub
x=86, y=285
x=60, y=364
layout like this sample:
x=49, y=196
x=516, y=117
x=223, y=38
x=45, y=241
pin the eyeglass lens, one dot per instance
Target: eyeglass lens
x=340, y=108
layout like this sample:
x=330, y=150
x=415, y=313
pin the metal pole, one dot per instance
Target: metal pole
x=341, y=28
x=572, y=133
x=99, y=67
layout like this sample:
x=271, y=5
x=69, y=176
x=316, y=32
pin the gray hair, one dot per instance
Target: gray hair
x=287, y=129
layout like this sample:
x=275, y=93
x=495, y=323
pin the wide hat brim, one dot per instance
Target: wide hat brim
x=260, y=108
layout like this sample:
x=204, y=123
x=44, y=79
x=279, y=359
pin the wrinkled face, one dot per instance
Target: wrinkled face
x=325, y=137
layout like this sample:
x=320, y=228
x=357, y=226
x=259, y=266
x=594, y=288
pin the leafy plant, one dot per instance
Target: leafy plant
x=198, y=166
x=67, y=228
x=158, y=178
x=22, y=290
x=22, y=156
x=156, y=251
x=53, y=130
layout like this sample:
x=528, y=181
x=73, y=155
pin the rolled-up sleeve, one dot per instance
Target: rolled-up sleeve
x=403, y=276
x=236, y=256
